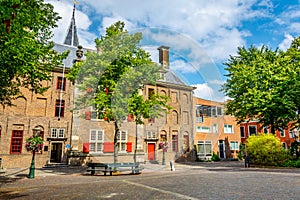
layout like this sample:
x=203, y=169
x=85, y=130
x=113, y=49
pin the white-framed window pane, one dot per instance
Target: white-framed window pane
x=242, y=130
x=61, y=133
x=100, y=146
x=282, y=134
x=92, y=146
x=234, y=145
x=252, y=130
x=53, y=132
x=100, y=136
x=93, y=135
x=204, y=148
x=96, y=140
x=204, y=129
x=228, y=128
x=291, y=134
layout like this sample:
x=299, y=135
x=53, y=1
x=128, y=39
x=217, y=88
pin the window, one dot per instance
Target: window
x=122, y=140
x=16, y=142
x=204, y=129
x=228, y=128
x=151, y=135
x=61, y=83
x=290, y=133
x=242, y=130
x=215, y=128
x=59, y=108
x=208, y=111
x=219, y=111
x=0, y=131
x=284, y=145
x=96, y=140
x=204, y=148
x=266, y=130
x=175, y=143
x=282, y=134
x=57, y=133
x=234, y=145
x=151, y=92
x=252, y=130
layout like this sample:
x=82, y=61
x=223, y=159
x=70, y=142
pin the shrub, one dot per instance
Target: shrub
x=215, y=157
x=266, y=149
x=291, y=163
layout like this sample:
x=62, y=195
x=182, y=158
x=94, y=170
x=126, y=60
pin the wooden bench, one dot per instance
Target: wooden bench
x=135, y=168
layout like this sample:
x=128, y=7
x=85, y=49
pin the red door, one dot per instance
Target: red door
x=151, y=151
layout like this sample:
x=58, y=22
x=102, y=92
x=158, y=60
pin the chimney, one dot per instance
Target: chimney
x=164, y=56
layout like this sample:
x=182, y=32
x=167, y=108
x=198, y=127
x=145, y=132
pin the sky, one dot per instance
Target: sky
x=201, y=34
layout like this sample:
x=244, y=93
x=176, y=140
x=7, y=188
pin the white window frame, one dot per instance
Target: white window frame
x=151, y=135
x=291, y=134
x=242, y=127
x=234, y=145
x=203, y=129
x=122, y=141
x=282, y=132
x=205, y=142
x=227, y=129
x=265, y=128
x=284, y=145
x=249, y=129
x=94, y=111
x=96, y=140
x=57, y=133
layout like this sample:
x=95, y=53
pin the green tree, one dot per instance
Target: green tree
x=27, y=57
x=114, y=77
x=266, y=149
x=260, y=83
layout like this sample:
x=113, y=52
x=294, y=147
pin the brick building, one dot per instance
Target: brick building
x=286, y=136
x=215, y=131
x=95, y=136
x=49, y=112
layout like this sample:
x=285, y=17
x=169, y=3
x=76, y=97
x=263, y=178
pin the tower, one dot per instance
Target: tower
x=72, y=37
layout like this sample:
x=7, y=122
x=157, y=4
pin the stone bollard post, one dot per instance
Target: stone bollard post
x=172, y=165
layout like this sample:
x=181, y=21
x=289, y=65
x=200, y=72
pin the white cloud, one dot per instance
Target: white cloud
x=285, y=44
x=203, y=91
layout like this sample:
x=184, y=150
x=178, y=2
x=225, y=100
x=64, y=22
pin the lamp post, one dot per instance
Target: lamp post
x=36, y=132
x=164, y=157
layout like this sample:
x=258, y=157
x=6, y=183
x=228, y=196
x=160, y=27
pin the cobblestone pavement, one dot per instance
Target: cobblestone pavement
x=222, y=180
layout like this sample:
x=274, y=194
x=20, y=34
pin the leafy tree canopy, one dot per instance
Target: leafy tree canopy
x=26, y=57
x=263, y=84
x=111, y=80
x=115, y=75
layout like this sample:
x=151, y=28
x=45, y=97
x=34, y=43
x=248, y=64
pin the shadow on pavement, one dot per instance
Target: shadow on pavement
x=11, y=194
x=5, y=179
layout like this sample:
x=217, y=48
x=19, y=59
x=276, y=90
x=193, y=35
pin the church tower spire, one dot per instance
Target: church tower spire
x=72, y=37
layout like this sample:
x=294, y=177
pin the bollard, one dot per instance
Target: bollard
x=172, y=165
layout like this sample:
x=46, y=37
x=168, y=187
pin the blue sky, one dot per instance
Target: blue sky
x=201, y=34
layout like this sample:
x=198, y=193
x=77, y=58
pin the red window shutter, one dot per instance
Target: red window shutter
x=86, y=147
x=108, y=147
x=129, y=147
x=88, y=115
x=129, y=117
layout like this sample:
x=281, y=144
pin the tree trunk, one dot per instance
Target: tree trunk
x=116, y=149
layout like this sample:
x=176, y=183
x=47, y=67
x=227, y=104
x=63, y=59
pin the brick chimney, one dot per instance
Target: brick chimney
x=164, y=56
